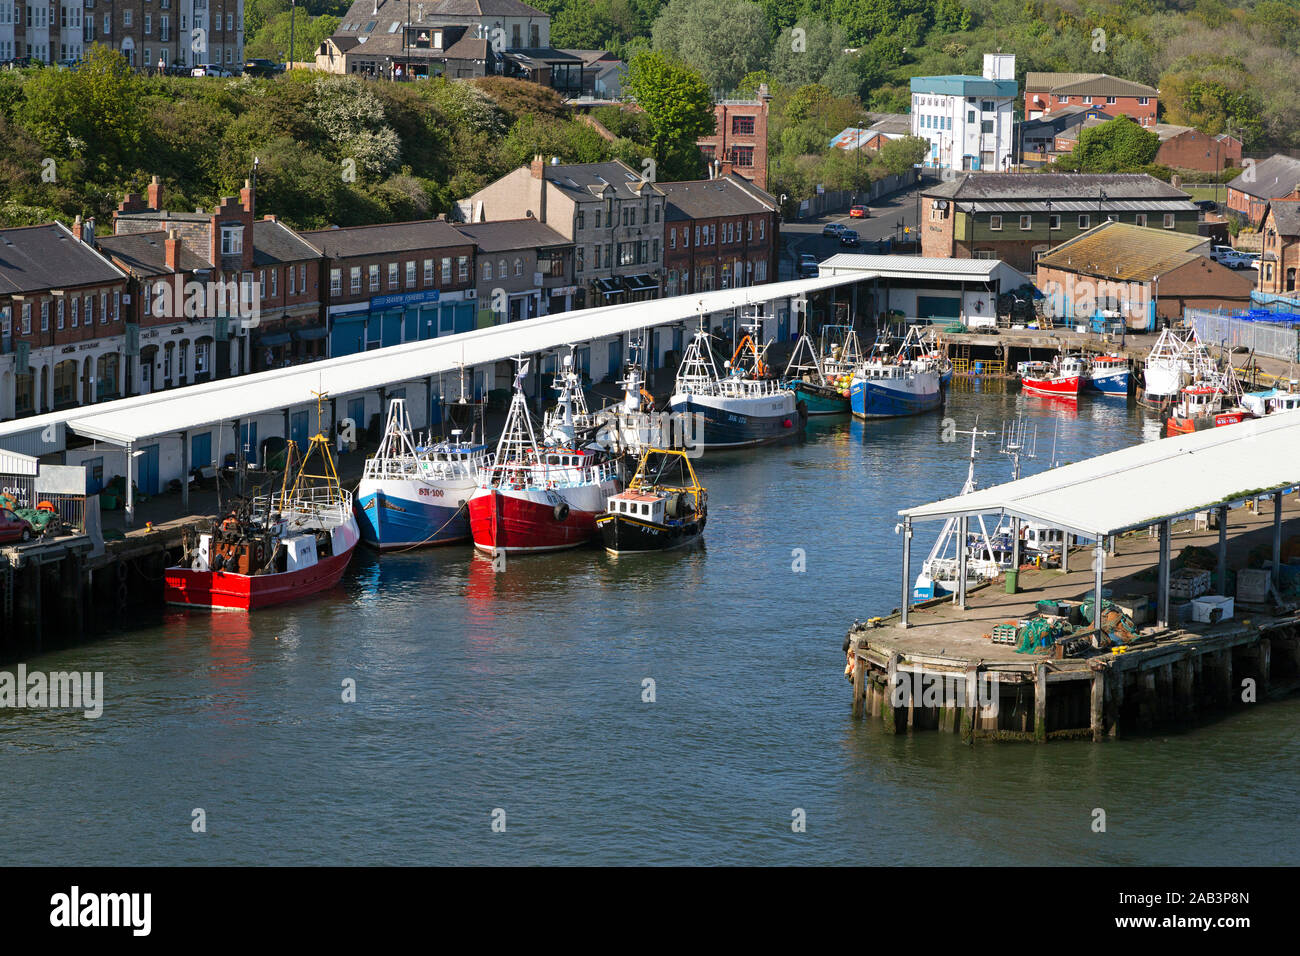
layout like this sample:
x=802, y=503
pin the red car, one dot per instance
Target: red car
x=857, y=212
x=14, y=528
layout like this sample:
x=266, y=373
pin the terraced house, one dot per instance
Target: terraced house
x=614, y=218
x=1045, y=93
x=720, y=233
x=62, y=328
x=1017, y=217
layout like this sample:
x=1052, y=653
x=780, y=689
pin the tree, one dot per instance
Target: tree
x=677, y=102
x=723, y=39
x=1119, y=145
x=272, y=40
x=93, y=111
x=897, y=156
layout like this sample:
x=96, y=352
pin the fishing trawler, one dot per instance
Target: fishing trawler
x=1108, y=374
x=1045, y=378
x=740, y=408
x=663, y=507
x=820, y=378
x=412, y=495
x=1272, y=401
x=1175, y=360
x=887, y=385
x=1202, y=405
x=537, y=497
x=275, y=548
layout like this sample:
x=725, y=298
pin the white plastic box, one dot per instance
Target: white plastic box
x=1211, y=609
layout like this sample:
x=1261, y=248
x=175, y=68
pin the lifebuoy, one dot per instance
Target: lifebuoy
x=561, y=511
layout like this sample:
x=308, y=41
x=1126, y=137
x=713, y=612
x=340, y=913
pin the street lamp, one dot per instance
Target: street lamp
x=293, y=12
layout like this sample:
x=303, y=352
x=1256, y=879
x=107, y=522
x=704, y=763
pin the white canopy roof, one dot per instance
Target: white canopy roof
x=196, y=406
x=1139, y=486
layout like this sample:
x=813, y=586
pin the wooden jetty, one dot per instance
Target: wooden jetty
x=934, y=666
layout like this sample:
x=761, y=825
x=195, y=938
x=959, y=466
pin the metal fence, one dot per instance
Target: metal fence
x=1218, y=328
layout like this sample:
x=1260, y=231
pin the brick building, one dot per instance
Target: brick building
x=1280, y=254
x=614, y=218
x=62, y=321
x=1016, y=217
x=145, y=31
x=719, y=234
x=740, y=137
x=1260, y=183
x=1183, y=147
x=1046, y=92
x=1147, y=274
x=395, y=283
x=525, y=269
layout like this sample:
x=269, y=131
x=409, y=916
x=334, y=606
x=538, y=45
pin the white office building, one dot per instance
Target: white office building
x=968, y=120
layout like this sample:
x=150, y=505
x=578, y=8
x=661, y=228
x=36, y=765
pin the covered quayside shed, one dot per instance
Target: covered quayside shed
x=285, y=395
x=1144, y=486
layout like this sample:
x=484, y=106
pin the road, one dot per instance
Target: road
x=889, y=216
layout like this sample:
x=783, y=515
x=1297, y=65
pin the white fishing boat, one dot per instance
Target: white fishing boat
x=737, y=408
x=414, y=494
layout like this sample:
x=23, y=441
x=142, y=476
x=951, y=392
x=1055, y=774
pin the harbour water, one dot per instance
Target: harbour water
x=524, y=691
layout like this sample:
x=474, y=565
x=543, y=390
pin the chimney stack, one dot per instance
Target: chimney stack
x=538, y=166
x=246, y=197
x=172, y=245
x=155, y=193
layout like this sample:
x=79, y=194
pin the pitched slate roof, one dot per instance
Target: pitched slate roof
x=485, y=8
x=591, y=182
x=49, y=256
x=1270, y=179
x=1286, y=216
x=1121, y=250
x=389, y=237
x=145, y=253
x=505, y=234
x=275, y=242
x=1031, y=186
x=710, y=198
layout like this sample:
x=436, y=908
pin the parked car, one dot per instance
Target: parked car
x=14, y=528
x=849, y=237
x=1207, y=205
x=809, y=267
x=1230, y=257
x=859, y=212
x=833, y=229
x=209, y=69
x=260, y=67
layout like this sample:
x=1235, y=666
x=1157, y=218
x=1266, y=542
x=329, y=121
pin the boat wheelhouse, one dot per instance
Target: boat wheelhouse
x=889, y=385
x=536, y=497
x=1044, y=378
x=733, y=410
x=1108, y=374
x=413, y=495
x=664, y=506
x=273, y=548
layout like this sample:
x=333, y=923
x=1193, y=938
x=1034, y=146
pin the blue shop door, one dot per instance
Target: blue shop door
x=615, y=354
x=201, y=450
x=465, y=317
x=146, y=471
x=298, y=428
x=392, y=330
x=348, y=336
x=94, y=475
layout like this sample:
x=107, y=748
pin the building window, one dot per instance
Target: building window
x=1140, y=219
x=275, y=277
x=744, y=125
x=1169, y=220
x=58, y=314
x=446, y=270
x=410, y=274
x=672, y=238
x=970, y=116
x=582, y=219
x=582, y=259
x=487, y=271
x=519, y=266
x=503, y=270
x=428, y=272
x=76, y=314
x=1087, y=101
x=392, y=275
x=374, y=278
x=1026, y=222
x=45, y=315
x=742, y=156
x=1054, y=221
x=1084, y=221
x=995, y=223
x=1144, y=100
x=232, y=240
x=336, y=281
x=126, y=17
x=982, y=254
x=1110, y=101
x=986, y=126
x=355, y=279
x=103, y=308
x=462, y=264
x=291, y=280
